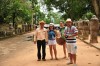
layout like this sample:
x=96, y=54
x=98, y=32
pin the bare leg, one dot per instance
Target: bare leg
x=70, y=56
x=74, y=58
x=55, y=51
x=64, y=50
x=51, y=53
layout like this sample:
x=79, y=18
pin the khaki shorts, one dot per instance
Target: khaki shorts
x=71, y=48
x=52, y=42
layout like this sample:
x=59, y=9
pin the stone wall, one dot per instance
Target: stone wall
x=89, y=27
x=9, y=30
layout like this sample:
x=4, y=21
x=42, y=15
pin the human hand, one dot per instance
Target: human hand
x=46, y=43
x=66, y=36
x=34, y=42
x=70, y=36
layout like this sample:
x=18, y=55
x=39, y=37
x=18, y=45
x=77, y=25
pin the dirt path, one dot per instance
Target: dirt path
x=18, y=51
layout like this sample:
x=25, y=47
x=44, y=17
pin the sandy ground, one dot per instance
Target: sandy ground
x=20, y=51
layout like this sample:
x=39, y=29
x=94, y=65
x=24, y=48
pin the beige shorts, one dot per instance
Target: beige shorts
x=71, y=48
x=52, y=42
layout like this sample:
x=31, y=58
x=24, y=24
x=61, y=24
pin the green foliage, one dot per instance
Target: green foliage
x=73, y=9
x=47, y=20
x=17, y=10
x=87, y=15
x=38, y=15
x=4, y=9
x=21, y=9
x=56, y=16
x=34, y=3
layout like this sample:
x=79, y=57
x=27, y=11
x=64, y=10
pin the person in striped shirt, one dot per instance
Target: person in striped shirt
x=70, y=33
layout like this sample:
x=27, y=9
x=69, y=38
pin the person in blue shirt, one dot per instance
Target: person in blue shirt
x=52, y=41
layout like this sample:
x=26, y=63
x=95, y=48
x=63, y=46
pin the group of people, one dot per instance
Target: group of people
x=48, y=36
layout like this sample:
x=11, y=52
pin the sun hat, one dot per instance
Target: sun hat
x=51, y=24
x=68, y=20
x=41, y=22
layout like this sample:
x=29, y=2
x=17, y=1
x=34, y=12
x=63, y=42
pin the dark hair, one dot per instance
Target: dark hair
x=62, y=22
x=53, y=27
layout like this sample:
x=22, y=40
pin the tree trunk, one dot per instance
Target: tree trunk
x=96, y=5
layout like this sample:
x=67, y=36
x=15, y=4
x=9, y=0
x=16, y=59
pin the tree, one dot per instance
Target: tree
x=55, y=16
x=12, y=10
x=96, y=5
x=4, y=9
x=73, y=9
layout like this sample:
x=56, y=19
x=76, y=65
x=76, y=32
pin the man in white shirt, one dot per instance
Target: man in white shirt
x=41, y=37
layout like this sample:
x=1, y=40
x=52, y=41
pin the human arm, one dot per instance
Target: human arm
x=35, y=37
x=75, y=33
x=46, y=35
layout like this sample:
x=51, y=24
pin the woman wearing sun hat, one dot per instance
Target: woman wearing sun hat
x=70, y=34
x=52, y=41
x=41, y=37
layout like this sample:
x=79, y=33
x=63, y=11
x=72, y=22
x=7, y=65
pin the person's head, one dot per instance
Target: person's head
x=69, y=22
x=61, y=24
x=41, y=23
x=51, y=27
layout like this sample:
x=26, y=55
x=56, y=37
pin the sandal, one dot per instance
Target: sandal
x=74, y=64
x=51, y=59
x=56, y=58
x=69, y=63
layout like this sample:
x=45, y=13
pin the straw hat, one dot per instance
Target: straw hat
x=51, y=24
x=41, y=22
x=68, y=20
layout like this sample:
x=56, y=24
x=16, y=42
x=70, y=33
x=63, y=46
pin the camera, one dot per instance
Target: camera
x=66, y=36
